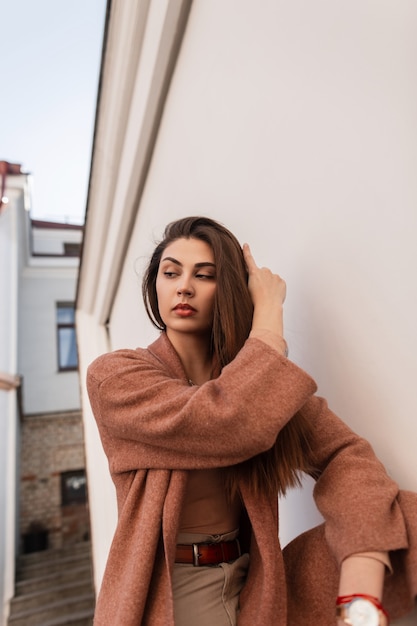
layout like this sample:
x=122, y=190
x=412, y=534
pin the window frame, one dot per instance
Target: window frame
x=68, y=497
x=65, y=326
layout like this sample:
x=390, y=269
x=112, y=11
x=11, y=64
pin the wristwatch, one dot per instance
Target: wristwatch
x=361, y=611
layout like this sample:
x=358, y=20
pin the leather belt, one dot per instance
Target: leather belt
x=207, y=553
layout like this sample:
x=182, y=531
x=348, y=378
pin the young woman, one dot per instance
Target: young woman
x=203, y=430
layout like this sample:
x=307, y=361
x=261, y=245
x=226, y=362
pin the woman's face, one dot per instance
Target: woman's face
x=186, y=287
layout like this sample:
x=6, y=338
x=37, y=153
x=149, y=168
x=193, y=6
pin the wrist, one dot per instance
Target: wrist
x=272, y=339
x=269, y=319
x=360, y=609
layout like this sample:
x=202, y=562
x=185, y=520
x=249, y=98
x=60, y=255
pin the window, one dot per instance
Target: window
x=73, y=487
x=72, y=249
x=67, y=345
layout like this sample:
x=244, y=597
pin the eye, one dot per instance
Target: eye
x=170, y=274
x=205, y=276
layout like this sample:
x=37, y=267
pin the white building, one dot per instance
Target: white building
x=13, y=196
x=47, y=286
x=294, y=124
x=38, y=365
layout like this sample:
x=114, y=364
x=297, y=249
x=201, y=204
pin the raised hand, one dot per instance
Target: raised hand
x=268, y=292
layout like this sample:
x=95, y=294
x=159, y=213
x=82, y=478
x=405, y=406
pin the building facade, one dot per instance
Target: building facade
x=13, y=201
x=294, y=125
x=52, y=465
x=44, y=493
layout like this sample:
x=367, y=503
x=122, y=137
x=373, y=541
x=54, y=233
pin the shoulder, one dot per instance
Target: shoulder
x=117, y=362
x=158, y=358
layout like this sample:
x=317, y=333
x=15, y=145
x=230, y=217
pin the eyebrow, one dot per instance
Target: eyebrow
x=203, y=264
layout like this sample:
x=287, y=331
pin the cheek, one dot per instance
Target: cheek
x=212, y=300
x=161, y=295
x=159, y=288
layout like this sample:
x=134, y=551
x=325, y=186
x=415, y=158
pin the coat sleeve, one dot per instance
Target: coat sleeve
x=148, y=418
x=353, y=492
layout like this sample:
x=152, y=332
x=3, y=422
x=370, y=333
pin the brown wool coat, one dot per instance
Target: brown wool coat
x=154, y=427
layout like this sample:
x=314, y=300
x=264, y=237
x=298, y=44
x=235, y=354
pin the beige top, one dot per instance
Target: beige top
x=207, y=508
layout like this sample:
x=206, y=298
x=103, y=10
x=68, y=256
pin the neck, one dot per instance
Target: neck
x=195, y=355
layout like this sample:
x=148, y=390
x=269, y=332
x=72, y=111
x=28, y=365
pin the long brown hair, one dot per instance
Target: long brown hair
x=271, y=472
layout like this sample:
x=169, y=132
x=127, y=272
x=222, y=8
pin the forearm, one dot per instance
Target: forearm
x=363, y=574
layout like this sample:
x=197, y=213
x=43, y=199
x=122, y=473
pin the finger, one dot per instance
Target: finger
x=249, y=260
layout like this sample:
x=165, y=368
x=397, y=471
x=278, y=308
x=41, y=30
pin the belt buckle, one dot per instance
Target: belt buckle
x=196, y=555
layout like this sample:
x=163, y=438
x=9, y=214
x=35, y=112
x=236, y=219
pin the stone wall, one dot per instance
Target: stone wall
x=51, y=445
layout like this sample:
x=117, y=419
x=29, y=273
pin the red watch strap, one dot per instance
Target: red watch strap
x=347, y=599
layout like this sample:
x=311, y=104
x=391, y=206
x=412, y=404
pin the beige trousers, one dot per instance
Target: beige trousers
x=208, y=596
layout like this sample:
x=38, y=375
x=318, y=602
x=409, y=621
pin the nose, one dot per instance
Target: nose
x=185, y=291
x=185, y=288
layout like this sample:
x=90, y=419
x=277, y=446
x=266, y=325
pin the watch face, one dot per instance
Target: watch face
x=363, y=613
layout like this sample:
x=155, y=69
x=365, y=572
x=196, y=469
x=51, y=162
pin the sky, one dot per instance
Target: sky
x=51, y=54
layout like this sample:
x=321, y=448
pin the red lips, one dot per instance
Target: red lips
x=182, y=306
x=184, y=310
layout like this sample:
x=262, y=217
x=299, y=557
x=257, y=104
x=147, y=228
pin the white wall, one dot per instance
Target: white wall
x=45, y=388
x=294, y=124
x=101, y=493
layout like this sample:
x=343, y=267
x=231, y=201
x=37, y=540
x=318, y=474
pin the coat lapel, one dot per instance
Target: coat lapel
x=163, y=350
